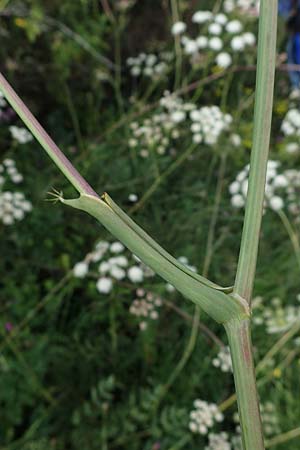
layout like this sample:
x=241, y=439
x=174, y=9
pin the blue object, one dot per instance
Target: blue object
x=285, y=7
x=293, y=51
x=297, y=48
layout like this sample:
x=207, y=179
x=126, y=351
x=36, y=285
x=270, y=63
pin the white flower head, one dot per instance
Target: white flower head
x=202, y=16
x=215, y=43
x=135, y=274
x=178, y=28
x=80, y=270
x=215, y=28
x=223, y=60
x=104, y=285
x=237, y=43
x=117, y=247
x=234, y=26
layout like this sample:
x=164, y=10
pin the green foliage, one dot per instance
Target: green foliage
x=76, y=371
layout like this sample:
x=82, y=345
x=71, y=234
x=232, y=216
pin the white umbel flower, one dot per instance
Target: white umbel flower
x=104, y=285
x=234, y=26
x=237, y=44
x=178, y=116
x=223, y=60
x=202, y=16
x=80, y=269
x=276, y=203
x=135, y=274
x=116, y=247
x=215, y=43
x=21, y=135
x=215, y=28
x=178, y=28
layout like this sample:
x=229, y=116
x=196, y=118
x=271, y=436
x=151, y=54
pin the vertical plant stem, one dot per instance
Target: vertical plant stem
x=239, y=333
x=260, y=149
x=178, y=51
x=239, y=337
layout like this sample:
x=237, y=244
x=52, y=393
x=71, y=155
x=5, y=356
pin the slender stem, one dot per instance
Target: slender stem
x=79, y=183
x=239, y=335
x=159, y=180
x=178, y=51
x=292, y=234
x=260, y=149
x=285, y=437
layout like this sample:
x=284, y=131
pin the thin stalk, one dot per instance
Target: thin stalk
x=239, y=336
x=260, y=149
x=159, y=180
x=292, y=234
x=178, y=51
x=285, y=437
x=45, y=140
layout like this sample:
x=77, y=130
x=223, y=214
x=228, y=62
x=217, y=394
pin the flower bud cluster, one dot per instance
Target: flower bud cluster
x=204, y=416
x=282, y=189
x=116, y=264
x=13, y=205
x=150, y=66
x=246, y=6
x=145, y=307
x=276, y=318
x=223, y=360
x=177, y=119
x=221, y=35
x=21, y=135
x=291, y=130
x=218, y=442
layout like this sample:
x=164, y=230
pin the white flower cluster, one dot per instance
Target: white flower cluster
x=218, y=442
x=270, y=419
x=156, y=134
x=13, y=205
x=291, y=123
x=145, y=307
x=291, y=129
x=223, y=360
x=150, y=66
x=2, y=101
x=8, y=171
x=114, y=265
x=21, y=135
x=208, y=123
x=222, y=36
x=282, y=189
x=243, y=5
x=204, y=416
x=277, y=318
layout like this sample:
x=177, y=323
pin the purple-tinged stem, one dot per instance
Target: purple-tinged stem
x=62, y=162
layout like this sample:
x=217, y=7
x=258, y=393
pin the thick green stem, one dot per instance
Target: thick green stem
x=239, y=335
x=238, y=331
x=260, y=149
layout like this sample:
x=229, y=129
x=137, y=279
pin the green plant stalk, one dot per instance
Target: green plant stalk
x=260, y=149
x=239, y=332
x=239, y=337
